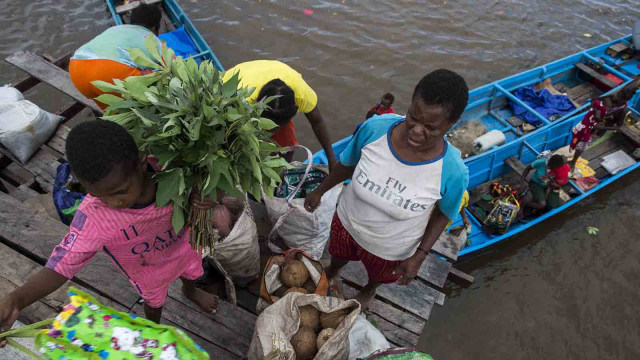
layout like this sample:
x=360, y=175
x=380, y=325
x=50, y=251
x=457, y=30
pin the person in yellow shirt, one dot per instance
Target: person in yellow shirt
x=271, y=78
x=463, y=204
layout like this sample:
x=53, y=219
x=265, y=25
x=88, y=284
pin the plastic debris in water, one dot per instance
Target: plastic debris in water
x=307, y=12
x=587, y=35
x=592, y=230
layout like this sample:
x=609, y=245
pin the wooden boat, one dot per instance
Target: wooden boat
x=582, y=76
x=174, y=19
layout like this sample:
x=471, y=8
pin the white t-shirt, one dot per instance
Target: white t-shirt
x=388, y=203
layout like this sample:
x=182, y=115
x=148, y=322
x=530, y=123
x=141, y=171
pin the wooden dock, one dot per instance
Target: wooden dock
x=29, y=233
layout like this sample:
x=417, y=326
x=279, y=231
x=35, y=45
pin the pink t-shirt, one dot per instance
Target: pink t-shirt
x=141, y=242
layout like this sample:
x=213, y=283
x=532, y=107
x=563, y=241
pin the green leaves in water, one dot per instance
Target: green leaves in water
x=204, y=132
x=592, y=230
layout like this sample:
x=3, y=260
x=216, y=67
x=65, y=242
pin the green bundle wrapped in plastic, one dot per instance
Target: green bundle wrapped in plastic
x=398, y=354
x=85, y=329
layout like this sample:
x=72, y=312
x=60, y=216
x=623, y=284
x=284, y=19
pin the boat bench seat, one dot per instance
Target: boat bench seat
x=596, y=75
x=516, y=165
x=122, y=9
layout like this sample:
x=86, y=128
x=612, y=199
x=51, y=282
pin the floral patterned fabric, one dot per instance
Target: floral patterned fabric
x=85, y=329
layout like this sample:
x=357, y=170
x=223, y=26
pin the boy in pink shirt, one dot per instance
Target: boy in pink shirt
x=118, y=216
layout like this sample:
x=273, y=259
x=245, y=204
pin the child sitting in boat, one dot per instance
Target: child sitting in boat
x=383, y=107
x=118, y=216
x=545, y=184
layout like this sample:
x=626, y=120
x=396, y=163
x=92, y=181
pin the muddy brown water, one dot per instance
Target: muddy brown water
x=552, y=292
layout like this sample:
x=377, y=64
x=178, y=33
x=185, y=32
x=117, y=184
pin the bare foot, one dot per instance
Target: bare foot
x=207, y=302
x=364, y=297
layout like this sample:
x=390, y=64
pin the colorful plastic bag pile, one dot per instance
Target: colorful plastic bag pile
x=85, y=329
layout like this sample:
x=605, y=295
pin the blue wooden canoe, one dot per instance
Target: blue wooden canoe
x=489, y=104
x=492, y=166
x=183, y=27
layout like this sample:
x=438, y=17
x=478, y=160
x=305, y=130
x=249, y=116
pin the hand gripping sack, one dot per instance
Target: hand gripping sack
x=24, y=127
x=298, y=228
x=279, y=322
x=239, y=252
x=85, y=329
x=271, y=283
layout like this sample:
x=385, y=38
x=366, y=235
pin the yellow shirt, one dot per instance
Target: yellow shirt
x=256, y=74
x=463, y=204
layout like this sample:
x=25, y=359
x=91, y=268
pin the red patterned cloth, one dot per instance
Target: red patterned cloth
x=343, y=246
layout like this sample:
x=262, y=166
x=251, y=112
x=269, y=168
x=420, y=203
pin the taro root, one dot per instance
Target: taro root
x=294, y=273
x=309, y=317
x=278, y=260
x=304, y=344
x=281, y=291
x=333, y=319
x=324, y=335
x=310, y=286
x=222, y=220
x=296, y=289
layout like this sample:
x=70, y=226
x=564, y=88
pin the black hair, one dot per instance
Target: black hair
x=282, y=108
x=446, y=88
x=95, y=147
x=148, y=16
x=555, y=161
x=389, y=97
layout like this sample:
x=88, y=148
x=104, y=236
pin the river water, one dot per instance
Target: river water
x=552, y=292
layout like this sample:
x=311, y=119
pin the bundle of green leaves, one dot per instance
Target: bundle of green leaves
x=204, y=132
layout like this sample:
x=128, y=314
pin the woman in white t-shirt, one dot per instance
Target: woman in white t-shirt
x=407, y=182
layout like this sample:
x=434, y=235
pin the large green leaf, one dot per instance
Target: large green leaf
x=168, y=186
x=231, y=86
x=140, y=58
x=177, y=219
x=151, y=44
x=108, y=99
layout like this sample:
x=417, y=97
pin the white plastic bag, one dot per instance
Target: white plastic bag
x=279, y=322
x=239, y=252
x=365, y=339
x=298, y=228
x=24, y=127
x=10, y=94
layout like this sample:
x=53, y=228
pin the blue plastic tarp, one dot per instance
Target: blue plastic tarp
x=542, y=101
x=180, y=42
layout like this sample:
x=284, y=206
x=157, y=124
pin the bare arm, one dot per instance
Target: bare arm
x=319, y=127
x=465, y=220
x=339, y=174
x=409, y=267
x=43, y=283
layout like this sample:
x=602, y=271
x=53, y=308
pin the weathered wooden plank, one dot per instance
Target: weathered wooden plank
x=214, y=351
x=50, y=74
x=36, y=233
x=516, y=165
x=596, y=75
x=17, y=268
x=59, y=139
x=228, y=315
x=70, y=110
x=201, y=325
x=29, y=81
x=461, y=278
x=390, y=313
x=434, y=270
x=449, y=246
x=416, y=297
x=394, y=334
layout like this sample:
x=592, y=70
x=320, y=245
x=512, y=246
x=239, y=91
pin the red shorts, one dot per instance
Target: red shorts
x=343, y=246
x=286, y=135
